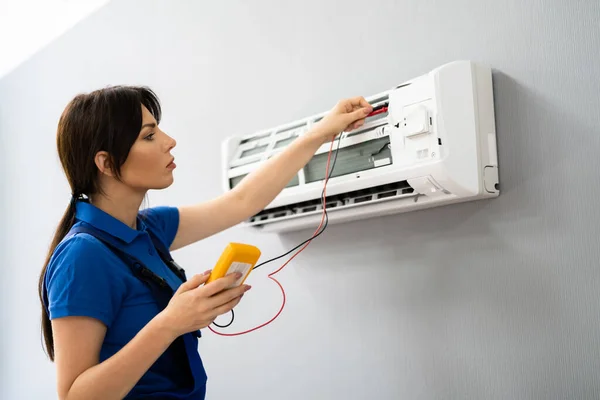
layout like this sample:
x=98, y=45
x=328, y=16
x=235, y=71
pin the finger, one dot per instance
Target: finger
x=365, y=103
x=220, y=284
x=227, y=295
x=193, y=282
x=358, y=124
x=347, y=106
x=225, y=308
x=359, y=114
x=360, y=102
x=350, y=128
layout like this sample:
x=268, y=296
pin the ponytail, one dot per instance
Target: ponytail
x=65, y=224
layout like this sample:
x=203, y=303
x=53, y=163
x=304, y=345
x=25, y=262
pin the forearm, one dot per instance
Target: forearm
x=116, y=376
x=261, y=186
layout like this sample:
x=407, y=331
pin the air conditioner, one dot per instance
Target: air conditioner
x=435, y=145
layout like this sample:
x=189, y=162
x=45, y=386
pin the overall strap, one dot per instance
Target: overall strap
x=161, y=290
x=165, y=254
x=137, y=267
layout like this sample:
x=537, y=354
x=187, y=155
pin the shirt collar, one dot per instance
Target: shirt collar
x=99, y=219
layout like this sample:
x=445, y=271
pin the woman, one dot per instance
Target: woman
x=104, y=324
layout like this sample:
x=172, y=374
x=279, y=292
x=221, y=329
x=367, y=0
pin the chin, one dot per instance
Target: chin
x=168, y=184
x=163, y=185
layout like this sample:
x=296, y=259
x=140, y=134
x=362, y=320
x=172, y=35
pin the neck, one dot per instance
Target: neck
x=121, y=204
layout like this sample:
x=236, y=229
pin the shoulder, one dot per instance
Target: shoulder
x=84, y=277
x=82, y=250
x=163, y=221
x=82, y=258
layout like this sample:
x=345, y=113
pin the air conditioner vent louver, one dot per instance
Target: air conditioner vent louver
x=339, y=201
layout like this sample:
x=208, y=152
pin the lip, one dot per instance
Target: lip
x=171, y=165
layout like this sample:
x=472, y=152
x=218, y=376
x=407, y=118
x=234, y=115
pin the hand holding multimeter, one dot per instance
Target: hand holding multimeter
x=236, y=257
x=200, y=300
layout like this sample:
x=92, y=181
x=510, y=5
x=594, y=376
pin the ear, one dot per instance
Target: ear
x=103, y=163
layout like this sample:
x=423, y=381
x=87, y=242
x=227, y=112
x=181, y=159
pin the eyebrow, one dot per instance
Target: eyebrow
x=150, y=125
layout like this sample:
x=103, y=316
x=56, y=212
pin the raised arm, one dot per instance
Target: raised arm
x=260, y=187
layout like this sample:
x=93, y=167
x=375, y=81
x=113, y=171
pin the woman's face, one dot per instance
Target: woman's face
x=149, y=164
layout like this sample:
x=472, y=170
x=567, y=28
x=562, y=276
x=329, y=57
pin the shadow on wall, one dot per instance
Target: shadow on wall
x=4, y=237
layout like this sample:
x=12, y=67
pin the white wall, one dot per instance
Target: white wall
x=491, y=300
x=26, y=26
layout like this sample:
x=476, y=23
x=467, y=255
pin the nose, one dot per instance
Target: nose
x=170, y=142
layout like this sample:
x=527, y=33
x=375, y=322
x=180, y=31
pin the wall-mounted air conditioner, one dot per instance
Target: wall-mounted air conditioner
x=435, y=145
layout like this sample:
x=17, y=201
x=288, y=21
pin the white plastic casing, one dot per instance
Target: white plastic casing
x=442, y=150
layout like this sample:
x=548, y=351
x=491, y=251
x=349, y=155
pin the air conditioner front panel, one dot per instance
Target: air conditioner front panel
x=436, y=143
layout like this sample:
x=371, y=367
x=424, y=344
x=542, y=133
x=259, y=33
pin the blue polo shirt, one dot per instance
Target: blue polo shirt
x=85, y=278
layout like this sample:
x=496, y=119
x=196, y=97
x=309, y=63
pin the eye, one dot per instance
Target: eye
x=149, y=136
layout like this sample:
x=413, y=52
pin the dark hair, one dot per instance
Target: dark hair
x=108, y=120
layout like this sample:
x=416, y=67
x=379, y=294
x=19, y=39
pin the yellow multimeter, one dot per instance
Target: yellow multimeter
x=237, y=257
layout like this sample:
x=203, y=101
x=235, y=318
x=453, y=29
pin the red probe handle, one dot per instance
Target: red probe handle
x=376, y=112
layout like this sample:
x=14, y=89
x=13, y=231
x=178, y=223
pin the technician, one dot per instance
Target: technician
x=119, y=318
